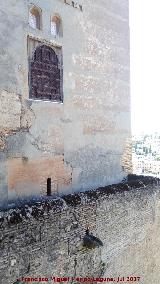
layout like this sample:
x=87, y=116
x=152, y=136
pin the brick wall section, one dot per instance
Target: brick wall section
x=45, y=238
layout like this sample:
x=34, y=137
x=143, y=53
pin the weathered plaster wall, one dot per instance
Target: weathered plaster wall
x=46, y=239
x=88, y=133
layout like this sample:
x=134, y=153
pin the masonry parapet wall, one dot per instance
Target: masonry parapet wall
x=45, y=238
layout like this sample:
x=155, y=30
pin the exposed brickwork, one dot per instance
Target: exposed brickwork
x=127, y=157
x=10, y=110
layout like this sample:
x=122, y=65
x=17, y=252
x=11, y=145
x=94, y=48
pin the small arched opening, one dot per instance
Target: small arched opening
x=35, y=17
x=56, y=26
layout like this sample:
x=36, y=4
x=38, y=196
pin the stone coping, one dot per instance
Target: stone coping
x=40, y=208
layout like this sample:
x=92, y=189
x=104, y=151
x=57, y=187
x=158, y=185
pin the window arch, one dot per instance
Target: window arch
x=56, y=26
x=45, y=74
x=35, y=15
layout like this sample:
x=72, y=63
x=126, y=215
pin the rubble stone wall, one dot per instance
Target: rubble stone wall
x=45, y=239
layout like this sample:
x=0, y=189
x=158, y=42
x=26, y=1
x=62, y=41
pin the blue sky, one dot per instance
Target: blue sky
x=145, y=64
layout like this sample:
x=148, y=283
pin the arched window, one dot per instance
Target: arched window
x=35, y=17
x=45, y=74
x=56, y=26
